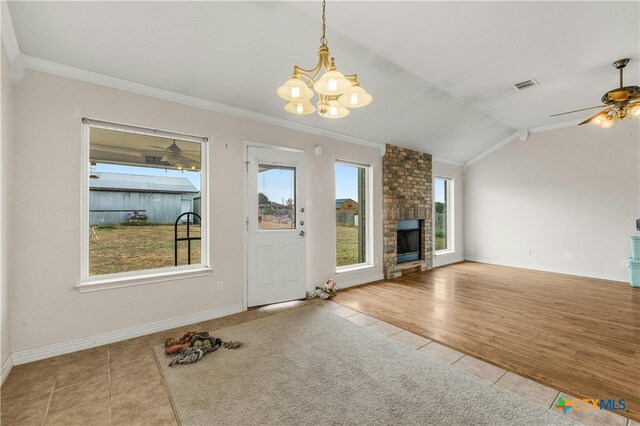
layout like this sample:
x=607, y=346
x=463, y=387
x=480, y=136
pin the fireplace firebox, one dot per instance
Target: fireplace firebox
x=409, y=238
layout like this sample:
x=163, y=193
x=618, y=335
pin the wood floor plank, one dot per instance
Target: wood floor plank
x=578, y=335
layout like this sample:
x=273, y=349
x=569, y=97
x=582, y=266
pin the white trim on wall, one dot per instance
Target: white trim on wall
x=56, y=349
x=557, y=270
x=560, y=125
x=445, y=161
x=516, y=135
x=9, y=39
x=346, y=283
x=495, y=147
x=7, y=365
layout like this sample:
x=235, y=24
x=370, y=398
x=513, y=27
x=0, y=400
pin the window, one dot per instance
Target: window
x=276, y=197
x=353, y=241
x=443, y=214
x=144, y=201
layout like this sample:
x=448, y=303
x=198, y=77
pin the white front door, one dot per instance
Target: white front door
x=276, y=242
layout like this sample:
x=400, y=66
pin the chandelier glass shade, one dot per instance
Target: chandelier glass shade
x=302, y=107
x=337, y=93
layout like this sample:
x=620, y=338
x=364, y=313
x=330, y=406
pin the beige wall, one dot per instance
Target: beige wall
x=47, y=112
x=569, y=195
x=5, y=207
x=444, y=170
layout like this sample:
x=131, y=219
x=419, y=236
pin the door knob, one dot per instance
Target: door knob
x=301, y=233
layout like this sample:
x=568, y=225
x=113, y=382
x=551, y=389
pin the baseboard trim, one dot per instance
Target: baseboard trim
x=449, y=260
x=578, y=273
x=75, y=345
x=361, y=280
x=7, y=365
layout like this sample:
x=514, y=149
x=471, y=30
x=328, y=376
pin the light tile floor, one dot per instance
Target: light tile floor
x=120, y=384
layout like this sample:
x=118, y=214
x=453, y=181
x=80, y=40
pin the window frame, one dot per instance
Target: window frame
x=449, y=201
x=368, y=209
x=88, y=283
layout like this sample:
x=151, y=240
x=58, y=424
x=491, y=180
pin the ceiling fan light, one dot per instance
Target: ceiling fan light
x=300, y=108
x=295, y=89
x=332, y=83
x=605, y=122
x=599, y=119
x=356, y=97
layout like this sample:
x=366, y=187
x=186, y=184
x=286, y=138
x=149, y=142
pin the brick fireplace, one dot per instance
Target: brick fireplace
x=407, y=204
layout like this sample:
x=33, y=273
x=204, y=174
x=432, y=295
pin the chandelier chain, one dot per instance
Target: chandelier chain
x=323, y=39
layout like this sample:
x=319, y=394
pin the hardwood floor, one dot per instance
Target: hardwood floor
x=578, y=335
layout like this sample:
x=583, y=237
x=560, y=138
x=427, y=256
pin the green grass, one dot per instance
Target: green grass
x=346, y=245
x=441, y=243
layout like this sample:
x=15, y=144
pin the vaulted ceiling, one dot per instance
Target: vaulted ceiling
x=441, y=72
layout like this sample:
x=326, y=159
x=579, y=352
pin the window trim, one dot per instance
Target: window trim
x=369, y=247
x=88, y=283
x=450, y=193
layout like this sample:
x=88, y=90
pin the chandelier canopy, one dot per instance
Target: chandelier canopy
x=337, y=92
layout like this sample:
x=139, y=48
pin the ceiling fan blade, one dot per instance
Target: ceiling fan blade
x=578, y=110
x=594, y=116
x=159, y=147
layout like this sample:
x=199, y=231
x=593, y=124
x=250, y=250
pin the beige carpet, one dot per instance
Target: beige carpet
x=307, y=366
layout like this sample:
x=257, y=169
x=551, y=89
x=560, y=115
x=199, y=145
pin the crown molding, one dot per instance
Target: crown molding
x=522, y=135
x=561, y=125
x=492, y=149
x=75, y=73
x=446, y=161
x=10, y=43
x=9, y=39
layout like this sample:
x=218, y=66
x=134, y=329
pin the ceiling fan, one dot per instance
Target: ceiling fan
x=620, y=103
x=176, y=156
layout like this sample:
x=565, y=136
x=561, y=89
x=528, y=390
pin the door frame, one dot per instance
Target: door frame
x=246, y=144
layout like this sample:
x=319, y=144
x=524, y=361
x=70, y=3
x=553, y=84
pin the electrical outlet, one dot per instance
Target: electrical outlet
x=220, y=286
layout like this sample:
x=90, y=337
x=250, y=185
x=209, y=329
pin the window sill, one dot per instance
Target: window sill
x=444, y=252
x=141, y=279
x=354, y=268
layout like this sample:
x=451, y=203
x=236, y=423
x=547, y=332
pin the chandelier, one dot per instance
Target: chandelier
x=337, y=92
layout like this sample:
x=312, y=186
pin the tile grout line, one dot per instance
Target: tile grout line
x=555, y=398
x=505, y=373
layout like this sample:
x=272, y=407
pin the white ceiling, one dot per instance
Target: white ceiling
x=440, y=72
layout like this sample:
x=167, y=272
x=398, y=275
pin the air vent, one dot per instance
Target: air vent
x=526, y=84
